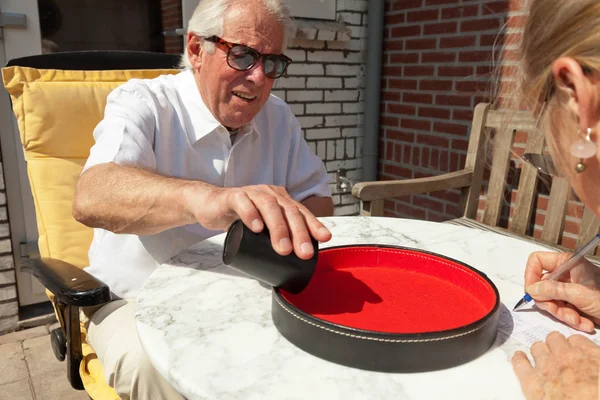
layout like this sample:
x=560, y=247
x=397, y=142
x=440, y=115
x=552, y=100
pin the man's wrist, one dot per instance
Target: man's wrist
x=195, y=197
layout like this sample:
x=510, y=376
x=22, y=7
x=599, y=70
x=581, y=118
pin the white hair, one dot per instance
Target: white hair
x=209, y=19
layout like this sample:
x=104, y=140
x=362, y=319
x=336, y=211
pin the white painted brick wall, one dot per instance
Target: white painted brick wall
x=323, y=87
x=324, y=108
x=8, y=289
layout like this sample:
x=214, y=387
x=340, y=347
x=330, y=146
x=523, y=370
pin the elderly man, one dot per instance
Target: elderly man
x=179, y=157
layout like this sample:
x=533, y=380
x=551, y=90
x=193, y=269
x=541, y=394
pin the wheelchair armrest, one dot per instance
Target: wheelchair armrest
x=71, y=285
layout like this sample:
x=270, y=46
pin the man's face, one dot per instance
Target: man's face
x=235, y=97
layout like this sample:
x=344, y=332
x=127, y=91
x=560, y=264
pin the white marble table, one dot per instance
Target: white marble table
x=208, y=329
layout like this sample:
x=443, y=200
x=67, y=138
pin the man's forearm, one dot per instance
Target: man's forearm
x=125, y=199
x=319, y=206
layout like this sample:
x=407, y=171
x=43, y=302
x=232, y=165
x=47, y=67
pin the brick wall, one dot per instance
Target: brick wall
x=440, y=59
x=171, y=18
x=437, y=66
x=324, y=88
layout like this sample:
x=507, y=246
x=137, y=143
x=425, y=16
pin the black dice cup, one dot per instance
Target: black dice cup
x=253, y=254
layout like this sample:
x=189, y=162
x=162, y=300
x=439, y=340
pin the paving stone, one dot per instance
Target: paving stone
x=40, y=358
x=24, y=334
x=54, y=385
x=16, y=390
x=13, y=364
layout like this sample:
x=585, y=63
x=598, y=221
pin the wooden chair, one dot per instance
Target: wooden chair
x=58, y=100
x=470, y=180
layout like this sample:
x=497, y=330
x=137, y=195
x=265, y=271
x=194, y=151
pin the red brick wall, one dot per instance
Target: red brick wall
x=437, y=66
x=439, y=60
x=171, y=17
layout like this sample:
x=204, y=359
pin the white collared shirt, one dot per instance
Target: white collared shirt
x=163, y=125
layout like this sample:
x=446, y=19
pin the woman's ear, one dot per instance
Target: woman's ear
x=194, y=50
x=581, y=91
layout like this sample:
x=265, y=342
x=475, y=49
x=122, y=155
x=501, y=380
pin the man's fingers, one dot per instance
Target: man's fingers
x=300, y=236
x=276, y=223
x=245, y=209
x=290, y=223
x=316, y=228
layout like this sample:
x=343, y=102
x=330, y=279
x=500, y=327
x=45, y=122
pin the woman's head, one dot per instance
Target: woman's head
x=560, y=63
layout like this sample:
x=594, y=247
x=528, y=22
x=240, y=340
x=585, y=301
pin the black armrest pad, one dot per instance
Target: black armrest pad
x=71, y=285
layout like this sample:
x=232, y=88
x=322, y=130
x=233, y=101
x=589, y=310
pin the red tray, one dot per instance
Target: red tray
x=390, y=309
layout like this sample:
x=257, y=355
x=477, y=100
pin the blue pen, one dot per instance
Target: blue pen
x=564, y=267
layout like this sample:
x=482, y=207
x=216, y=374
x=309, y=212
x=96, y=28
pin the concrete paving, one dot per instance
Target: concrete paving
x=29, y=370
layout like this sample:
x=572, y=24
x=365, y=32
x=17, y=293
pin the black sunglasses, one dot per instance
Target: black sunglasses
x=242, y=58
x=542, y=162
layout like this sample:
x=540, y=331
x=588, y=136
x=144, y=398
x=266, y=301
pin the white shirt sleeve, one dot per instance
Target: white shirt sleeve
x=126, y=134
x=307, y=175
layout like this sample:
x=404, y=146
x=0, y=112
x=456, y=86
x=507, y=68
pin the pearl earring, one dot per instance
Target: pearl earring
x=583, y=149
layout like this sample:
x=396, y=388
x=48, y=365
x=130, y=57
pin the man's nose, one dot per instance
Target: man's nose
x=256, y=74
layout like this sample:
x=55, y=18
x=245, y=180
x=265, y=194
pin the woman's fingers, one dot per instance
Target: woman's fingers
x=540, y=352
x=527, y=376
x=556, y=342
x=581, y=299
x=567, y=314
x=540, y=262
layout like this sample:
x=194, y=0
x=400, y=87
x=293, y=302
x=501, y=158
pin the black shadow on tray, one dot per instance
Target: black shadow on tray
x=505, y=326
x=336, y=292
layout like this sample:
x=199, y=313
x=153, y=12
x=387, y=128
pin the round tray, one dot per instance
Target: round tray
x=390, y=309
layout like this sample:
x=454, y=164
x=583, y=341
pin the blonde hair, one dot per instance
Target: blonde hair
x=209, y=17
x=554, y=29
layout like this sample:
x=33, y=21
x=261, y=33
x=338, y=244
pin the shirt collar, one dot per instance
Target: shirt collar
x=203, y=120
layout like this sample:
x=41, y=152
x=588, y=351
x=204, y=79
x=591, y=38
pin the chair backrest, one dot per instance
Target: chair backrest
x=496, y=176
x=507, y=172
x=58, y=100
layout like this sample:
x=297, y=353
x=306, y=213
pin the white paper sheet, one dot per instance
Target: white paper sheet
x=532, y=325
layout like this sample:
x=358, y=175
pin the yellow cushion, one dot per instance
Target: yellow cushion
x=57, y=111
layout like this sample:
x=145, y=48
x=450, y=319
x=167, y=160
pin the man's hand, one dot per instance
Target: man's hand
x=290, y=223
x=564, y=368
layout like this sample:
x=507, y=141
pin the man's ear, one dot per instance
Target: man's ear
x=194, y=50
x=581, y=90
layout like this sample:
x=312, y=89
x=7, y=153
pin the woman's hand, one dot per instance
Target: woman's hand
x=564, y=368
x=574, y=299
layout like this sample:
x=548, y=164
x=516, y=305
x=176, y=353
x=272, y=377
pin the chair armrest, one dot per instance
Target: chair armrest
x=70, y=284
x=371, y=191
